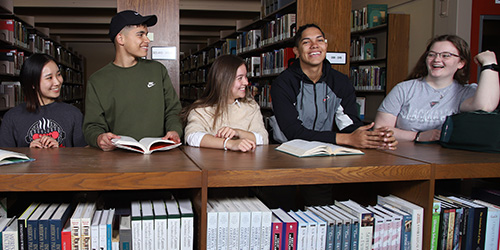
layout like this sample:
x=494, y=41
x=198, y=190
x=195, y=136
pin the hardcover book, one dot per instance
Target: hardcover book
x=145, y=145
x=302, y=148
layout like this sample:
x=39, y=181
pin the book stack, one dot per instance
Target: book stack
x=369, y=16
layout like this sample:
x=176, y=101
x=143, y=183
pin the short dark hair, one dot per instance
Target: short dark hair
x=298, y=35
x=461, y=75
x=30, y=76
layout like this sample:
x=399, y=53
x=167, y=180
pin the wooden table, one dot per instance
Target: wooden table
x=86, y=169
x=451, y=163
x=267, y=167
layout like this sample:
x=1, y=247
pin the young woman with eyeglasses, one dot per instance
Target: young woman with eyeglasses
x=437, y=87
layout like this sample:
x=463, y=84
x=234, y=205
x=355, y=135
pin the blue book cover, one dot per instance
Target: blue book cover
x=109, y=228
x=347, y=227
x=44, y=227
x=56, y=224
x=32, y=228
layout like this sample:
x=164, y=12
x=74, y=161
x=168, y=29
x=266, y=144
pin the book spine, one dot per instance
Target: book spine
x=290, y=239
x=276, y=236
x=211, y=230
x=187, y=233
x=136, y=234
x=66, y=240
x=436, y=213
x=451, y=227
x=32, y=235
x=43, y=232
x=10, y=240
x=54, y=239
x=160, y=233
x=348, y=237
x=337, y=243
x=23, y=237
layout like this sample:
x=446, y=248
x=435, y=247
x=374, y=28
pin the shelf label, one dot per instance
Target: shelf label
x=337, y=57
x=163, y=53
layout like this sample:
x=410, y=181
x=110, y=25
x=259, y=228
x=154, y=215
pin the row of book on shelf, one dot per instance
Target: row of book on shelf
x=17, y=34
x=274, y=31
x=393, y=223
x=11, y=61
x=370, y=16
x=146, y=224
x=363, y=48
x=464, y=223
x=11, y=94
x=246, y=223
x=268, y=63
x=270, y=6
x=368, y=77
x=281, y=28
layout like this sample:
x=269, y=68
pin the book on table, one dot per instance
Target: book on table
x=146, y=145
x=302, y=148
x=11, y=157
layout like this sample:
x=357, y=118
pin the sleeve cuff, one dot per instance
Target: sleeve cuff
x=194, y=139
x=258, y=139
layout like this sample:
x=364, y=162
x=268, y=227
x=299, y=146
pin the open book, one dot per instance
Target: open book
x=146, y=145
x=302, y=148
x=10, y=157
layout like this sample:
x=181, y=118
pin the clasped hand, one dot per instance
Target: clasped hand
x=44, y=142
x=235, y=143
x=382, y=138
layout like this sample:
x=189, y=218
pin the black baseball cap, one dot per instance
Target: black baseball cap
x=128, y=17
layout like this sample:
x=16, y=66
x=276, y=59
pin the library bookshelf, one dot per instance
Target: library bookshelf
x=20, y=39
x=410, y=172
x=392, y=50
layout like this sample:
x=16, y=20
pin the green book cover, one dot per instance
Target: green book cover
x=436, y=212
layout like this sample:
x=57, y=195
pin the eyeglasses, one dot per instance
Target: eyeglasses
x=443, y=55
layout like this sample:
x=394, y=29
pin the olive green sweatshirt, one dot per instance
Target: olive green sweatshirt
x=138, y=101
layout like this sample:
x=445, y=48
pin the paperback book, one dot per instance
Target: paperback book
x=10, y=157
x=146, y=145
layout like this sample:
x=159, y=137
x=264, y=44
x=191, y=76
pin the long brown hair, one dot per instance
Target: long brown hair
x=461, y=75
x=220, y=79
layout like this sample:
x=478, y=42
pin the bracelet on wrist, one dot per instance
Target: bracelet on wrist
x=492, y=66
x=417, y=136
x=225, y=143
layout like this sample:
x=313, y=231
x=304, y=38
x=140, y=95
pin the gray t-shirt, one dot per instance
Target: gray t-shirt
x=420, y=107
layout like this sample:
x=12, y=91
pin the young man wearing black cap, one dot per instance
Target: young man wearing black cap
x=130, y=96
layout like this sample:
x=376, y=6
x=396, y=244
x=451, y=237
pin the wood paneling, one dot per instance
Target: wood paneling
x=166, y=31
x=398, y=37
x=333, y=18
